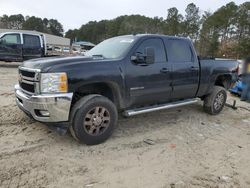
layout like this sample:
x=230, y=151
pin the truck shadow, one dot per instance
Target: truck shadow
x=146, y=123
x=128, y=127
x=156, y=120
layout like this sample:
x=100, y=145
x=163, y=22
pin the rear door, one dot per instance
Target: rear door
x=32, y=47
x=149, y=84
x=11, y=47
x=185, y=69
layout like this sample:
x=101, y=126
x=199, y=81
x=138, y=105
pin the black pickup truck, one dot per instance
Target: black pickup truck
x=130, y=74
x=19, y=46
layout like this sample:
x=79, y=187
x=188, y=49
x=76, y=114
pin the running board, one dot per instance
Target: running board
x=147, y=109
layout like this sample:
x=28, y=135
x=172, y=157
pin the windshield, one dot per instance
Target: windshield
x=112, y=48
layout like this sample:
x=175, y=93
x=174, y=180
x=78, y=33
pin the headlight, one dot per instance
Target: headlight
x=54, y=83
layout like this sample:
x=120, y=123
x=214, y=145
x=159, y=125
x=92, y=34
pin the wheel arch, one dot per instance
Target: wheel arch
x=107, y=89
x=224, y=80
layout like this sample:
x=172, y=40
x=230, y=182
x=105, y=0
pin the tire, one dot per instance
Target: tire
x=215, y=101
x=94, y=118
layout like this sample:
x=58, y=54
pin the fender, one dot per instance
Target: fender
x=224, y=80
x=110, y=90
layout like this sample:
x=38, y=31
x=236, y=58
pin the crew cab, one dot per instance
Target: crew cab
x=130, y=74
x=17, y=46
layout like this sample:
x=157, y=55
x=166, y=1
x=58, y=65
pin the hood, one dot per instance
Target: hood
x=45, y=64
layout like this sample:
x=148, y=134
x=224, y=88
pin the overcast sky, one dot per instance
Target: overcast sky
x=72, y=14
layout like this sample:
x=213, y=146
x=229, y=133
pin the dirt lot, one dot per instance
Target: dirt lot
x=190, y=149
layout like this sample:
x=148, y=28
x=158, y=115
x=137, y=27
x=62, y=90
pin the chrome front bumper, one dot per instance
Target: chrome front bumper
x=46, y=107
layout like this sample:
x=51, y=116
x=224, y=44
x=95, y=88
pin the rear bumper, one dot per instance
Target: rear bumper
x=45, y=108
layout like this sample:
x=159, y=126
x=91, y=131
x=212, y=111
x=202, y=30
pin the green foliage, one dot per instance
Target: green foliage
x=123, y=25
x=243, y=48
x=243, y=30
x=53, y=26
x=12, y=22
x=173, y=23
x=224, y=33
x=34, y=23
x=18, y=21
x=191, y=24
x=72, y=34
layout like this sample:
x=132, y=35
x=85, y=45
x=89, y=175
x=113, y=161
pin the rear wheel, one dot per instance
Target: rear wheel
x=215, y=102
x=95, y=118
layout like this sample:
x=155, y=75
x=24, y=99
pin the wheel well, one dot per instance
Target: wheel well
x=224, y=81
x=103, y=89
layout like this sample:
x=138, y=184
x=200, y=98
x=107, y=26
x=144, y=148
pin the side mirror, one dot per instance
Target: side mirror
x=1, y=41
x=147, y=58
x=138, y=58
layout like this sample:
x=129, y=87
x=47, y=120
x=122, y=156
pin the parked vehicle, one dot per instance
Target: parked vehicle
x=131, y=74
x=16, y=46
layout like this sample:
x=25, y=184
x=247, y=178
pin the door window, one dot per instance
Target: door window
x=179, y=51
x=157, y=44
x=11, y=39
x=31, y=41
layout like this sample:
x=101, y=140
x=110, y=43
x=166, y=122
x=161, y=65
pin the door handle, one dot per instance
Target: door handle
x=164, y=70
x=194, y=68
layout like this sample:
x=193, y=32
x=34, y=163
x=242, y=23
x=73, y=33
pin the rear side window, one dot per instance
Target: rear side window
x=11, y=39
x=179, y=51
x=31, y=41
x=157, y=44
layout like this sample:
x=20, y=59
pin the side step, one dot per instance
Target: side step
x=147, y=109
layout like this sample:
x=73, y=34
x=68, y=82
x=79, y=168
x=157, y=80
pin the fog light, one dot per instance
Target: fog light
x=44, y=113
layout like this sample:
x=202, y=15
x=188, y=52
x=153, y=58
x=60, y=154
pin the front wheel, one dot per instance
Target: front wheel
x=215, y=102
x=94, y=120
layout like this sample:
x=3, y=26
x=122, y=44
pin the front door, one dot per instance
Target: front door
x=149, y=83
x=11, y=47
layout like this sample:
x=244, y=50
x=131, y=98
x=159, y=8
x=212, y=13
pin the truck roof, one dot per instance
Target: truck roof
x=1, y=34
x=155, y=35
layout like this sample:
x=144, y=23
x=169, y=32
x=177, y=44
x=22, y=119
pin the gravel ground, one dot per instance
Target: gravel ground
x=187, y=148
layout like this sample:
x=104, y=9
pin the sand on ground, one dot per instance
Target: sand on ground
x=190, y=149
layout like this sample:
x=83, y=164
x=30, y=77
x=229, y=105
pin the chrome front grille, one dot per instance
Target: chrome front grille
x=28, y=79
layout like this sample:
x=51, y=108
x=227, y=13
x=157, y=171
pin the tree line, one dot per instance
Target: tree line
x=223, y=33
x=51, y=26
